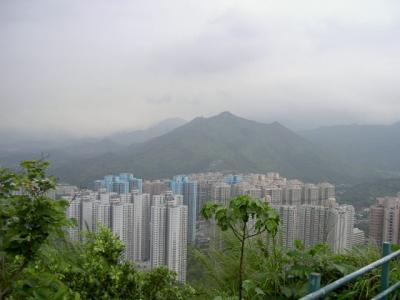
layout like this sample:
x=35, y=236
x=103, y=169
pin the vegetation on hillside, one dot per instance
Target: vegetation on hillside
x=275, y=273
x=248, y=247
x=246, y=218
x=221, y=143
x=364, y=194
x=37, y=262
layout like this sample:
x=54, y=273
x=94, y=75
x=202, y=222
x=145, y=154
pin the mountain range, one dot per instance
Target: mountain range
x=221, y=143
x=375, y=146
x=226, y=142
x=140, y=136
x=15, y=145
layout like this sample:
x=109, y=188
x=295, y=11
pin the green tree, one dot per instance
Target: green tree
x=38, y=262
x=28, y=219
x=100, y=273
x=161, y=284
x=93, y=269
x=246, y=218
x=284, y=273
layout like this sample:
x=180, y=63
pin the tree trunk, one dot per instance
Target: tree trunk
x=241, y=262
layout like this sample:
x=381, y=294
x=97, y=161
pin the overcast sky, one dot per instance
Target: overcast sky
x=93, y=67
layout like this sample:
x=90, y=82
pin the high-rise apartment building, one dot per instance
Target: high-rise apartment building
x=181, y=185
x=177, y=184
x=291, y=195
x=310, y=194
x=203, y=194
x=125, y=198
x=340, y=227
x=156, y=187
x=168, y=232
x=136, y=184
x=322, y=224
x=275, y=194
x=287, y=233
x=358, y=237
x=74, y=211
x=384, y=220
x=101, y=215
x=254, y=192
x=141, y=227
x=233, y=179
x=122, y=226
x=158, y=200
x=63, y=189
x=326, y=191
x=158, y=233
x=221, y=193
x=177, y=240
x=88, y=217
x=239, y=188
x=190, y=200
x=120, y=187
x=245, y=188
x=121, y=184
x=313, y=222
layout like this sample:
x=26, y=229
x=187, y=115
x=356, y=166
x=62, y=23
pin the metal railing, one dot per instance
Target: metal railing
x=316, y=292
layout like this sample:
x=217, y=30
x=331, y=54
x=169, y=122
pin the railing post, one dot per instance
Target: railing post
x=314, y=282
x=385, y=269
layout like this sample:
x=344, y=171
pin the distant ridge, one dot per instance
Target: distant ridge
x=140, y=136
x=15, y=149
x=218, y=143
x=375, y=146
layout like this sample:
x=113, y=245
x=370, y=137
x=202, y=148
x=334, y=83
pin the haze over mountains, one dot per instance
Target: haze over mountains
x=139, y=136
x=15, y=146
x=227, y=143
x=375, y=146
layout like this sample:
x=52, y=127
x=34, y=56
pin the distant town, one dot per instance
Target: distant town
x=156, y=220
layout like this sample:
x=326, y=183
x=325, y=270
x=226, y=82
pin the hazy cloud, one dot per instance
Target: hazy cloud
x=92, y=67
x=159, y=100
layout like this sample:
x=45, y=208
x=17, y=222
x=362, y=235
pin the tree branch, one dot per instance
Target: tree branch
x=236, y=233
x=257, y=233
x=13, y=278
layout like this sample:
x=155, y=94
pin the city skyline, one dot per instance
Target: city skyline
x=309, y=212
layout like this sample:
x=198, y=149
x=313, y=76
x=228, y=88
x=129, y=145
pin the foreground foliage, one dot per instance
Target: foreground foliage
x=28, y=220
x=246, y=218
x=93, y=270
x=37, y=262
x=281, y=273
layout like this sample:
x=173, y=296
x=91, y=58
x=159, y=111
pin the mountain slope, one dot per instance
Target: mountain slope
x=224, y=142
x=375, y=146
x=15, y=148
x=140, y=136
